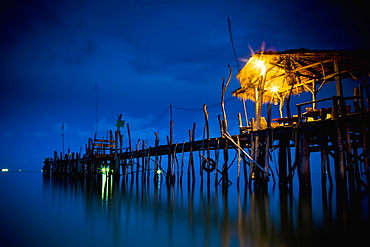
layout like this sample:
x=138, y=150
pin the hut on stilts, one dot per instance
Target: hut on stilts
x=273, y=77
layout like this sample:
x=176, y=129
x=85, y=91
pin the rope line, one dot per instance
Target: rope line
x=159, y=118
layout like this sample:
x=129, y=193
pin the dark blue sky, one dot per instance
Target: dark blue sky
x=142, y=55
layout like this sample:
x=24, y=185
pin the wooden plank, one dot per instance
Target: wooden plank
x=105, y=145
x=98, y=140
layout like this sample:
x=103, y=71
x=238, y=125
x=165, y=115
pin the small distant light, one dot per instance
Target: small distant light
x=20, y=170
x=4, y=170
x=159, y=171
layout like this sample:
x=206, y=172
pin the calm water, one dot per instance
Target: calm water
x=54, y=211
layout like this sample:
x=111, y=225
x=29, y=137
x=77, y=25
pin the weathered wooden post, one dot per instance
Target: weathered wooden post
x=224, y=129
x=118, y=147
x=182, y=162
x=137, y=160
x=143, y=160
x=304, y=172
x=208, y=141
x=267, y=144
x=170, y=142
x=282, y=160
x=339, y=154
x=324, y=155
x=364, y=134
x=130, y=162
x=156, y=157
x=191, y=156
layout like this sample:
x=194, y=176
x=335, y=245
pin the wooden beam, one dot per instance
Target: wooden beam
x=98, y=140
x=105, y=145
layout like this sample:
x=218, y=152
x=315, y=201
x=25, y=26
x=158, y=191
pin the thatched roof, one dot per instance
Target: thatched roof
x=294, y=71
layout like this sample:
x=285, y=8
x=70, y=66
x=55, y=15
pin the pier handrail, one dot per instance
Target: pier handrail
x=333, y=98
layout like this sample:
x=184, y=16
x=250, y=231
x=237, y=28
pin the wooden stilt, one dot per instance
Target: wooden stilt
x=267, y=144
x=156, y=157
x=324, y=155
x=191, y=171
x=339, y=157
x=182, y=162
x=282, y=161
x=208, y=136
x=239, y=159
x=304, y=173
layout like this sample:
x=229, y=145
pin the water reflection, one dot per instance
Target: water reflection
x=192, y=215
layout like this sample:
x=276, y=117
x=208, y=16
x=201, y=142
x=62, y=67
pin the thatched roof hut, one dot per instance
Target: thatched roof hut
x=295, y=71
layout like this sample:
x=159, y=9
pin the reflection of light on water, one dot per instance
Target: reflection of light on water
x=106, y=191
x=159, y=174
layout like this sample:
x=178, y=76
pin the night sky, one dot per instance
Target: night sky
x=82, y=63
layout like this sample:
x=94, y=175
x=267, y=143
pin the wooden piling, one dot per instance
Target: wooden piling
x=137, y=160
x=191, y=155
x=156, y=156
x=339, y=154
x=267, y=142
x=208, y=136
x=304, y=172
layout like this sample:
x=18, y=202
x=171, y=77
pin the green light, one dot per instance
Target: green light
x=159, y=171
x=20, y=170
x=4, y=170
x=105, y=169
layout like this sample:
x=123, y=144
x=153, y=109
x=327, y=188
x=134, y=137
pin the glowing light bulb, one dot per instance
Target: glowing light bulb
x=259, y=64
x=274, y=89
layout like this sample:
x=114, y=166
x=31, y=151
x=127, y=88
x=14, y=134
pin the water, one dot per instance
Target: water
x=62, y=211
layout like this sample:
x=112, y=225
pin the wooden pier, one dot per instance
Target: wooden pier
x=340, y=133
